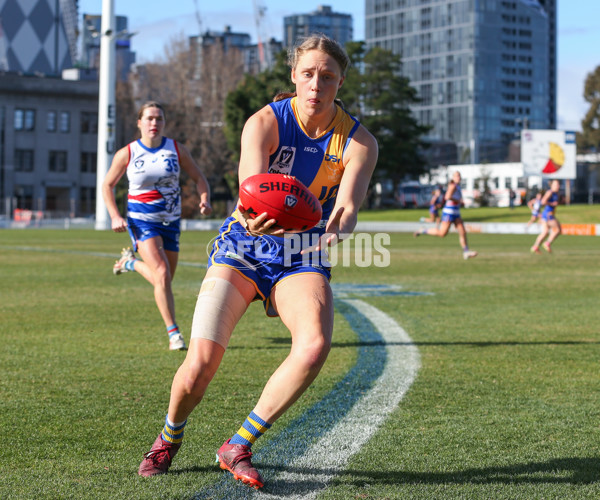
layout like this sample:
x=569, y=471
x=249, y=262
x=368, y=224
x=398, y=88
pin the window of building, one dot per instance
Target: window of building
x=24, y=196
x=65, y=121
x=87, y=200
x=51, y=121
x=89, y=122
x=24, y=160
x=57, y=161
x=425, y=69
x=24, y=119
x=426, y=93
x=88, y=162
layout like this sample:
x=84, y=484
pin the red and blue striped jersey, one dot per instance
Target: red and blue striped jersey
x=153, y=174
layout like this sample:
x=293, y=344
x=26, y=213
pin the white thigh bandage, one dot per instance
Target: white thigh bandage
x=219, y=307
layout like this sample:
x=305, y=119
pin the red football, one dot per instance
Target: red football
x=284, y=198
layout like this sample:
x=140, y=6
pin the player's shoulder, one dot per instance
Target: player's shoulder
x=363, y=132
x=264, y=116
x=363, y=138
x=261, y=124
x=123, y=153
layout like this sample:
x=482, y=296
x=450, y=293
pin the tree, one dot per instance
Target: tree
x=589, y=139
x=383, y=98
x=253, y=93
x=352, y=89
x=192, y=84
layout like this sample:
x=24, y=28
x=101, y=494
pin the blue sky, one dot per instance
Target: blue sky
x=156, y=22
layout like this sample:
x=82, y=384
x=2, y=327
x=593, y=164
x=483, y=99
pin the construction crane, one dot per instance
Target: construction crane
x=264, y=56
x=198, y=18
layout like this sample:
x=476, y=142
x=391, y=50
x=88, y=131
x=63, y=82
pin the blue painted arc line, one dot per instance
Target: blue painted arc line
x=302, y=459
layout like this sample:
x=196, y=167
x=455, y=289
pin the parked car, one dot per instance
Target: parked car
x=413, y=195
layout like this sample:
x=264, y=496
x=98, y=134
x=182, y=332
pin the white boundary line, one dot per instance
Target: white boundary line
x=330, y=455
x=310, y=473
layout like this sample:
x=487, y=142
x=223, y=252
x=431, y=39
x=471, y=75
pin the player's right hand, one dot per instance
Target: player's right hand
x=118, y=224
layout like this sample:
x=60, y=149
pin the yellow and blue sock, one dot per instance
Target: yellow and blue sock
x=173, y=432
x=253, y=428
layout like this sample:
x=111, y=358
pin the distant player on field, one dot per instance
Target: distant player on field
x=152, y=164
x=535, y=205
x=310, y=136
x=435, y=204
x=550, y=224
x=451, y=215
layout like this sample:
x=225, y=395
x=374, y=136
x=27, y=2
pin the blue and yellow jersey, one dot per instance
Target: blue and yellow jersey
x=317, y=162
x=549, y=210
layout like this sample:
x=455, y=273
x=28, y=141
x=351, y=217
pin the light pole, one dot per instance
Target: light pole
x=106, y=108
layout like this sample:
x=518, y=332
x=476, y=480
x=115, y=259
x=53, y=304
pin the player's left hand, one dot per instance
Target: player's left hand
x=260, y=224
x=205, y=208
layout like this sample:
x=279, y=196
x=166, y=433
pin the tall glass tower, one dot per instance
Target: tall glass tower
x=323, y=20
x=484, y=69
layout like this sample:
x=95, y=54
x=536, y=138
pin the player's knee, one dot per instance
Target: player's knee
x=195, y=379
x=161, y=274
x=313, y=353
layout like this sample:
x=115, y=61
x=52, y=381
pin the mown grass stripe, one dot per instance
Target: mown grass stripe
x=301, y=460
x=113, y=255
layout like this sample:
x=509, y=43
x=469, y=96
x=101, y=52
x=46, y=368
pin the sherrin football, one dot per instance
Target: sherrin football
x=284, y=198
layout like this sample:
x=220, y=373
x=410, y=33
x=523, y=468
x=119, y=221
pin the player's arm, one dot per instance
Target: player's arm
x=260, y=138
x=193, y=170
x=361, y=158
x=546, y=198
x=117, y=169
x=450, y=191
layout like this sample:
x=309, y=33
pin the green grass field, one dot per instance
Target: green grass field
x=506, y=404
x=568, y=214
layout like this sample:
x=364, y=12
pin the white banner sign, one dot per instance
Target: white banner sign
x=549, y=153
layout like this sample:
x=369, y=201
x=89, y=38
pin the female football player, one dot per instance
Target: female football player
x=153, y=164
x=535, y=204
x=451, y=215
x=435, y=203
x=308, y=135
x=550, y=224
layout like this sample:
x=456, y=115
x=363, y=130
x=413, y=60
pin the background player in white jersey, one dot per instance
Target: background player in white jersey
x=305, y=135
x=535, y=205
x=153, y=164
x=451, y=215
